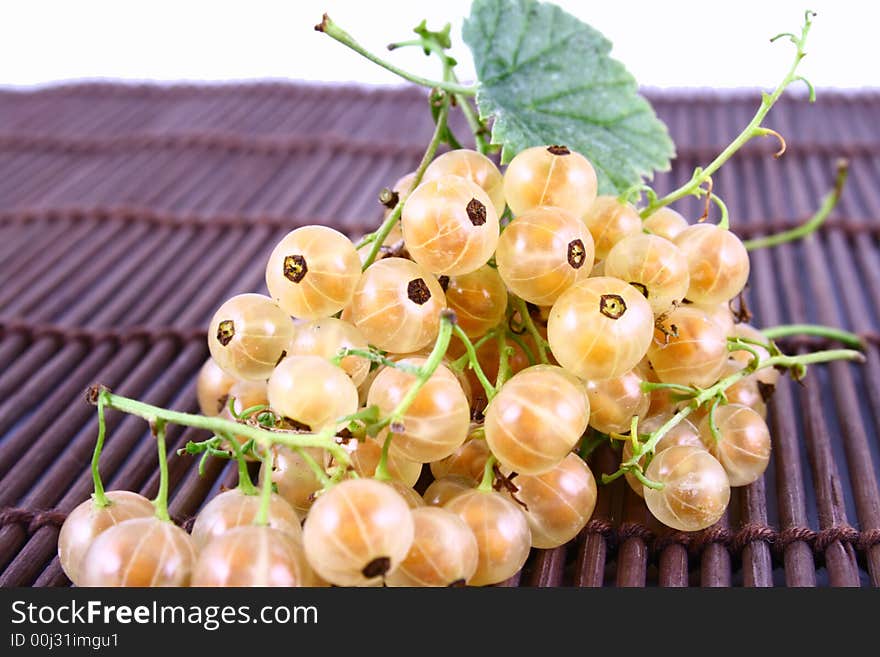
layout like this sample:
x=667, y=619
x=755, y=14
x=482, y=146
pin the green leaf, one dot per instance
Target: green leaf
x=547, y=78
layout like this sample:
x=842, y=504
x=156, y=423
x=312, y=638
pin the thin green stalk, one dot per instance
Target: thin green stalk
x=844, y=337
x=245, y=483
x=478, y=128
x=813, y=223
x=394, y=215
x=262, y=517
x=394, y=421
x=638, y=474
x=503, y=360
x=739, y=344
x=419, y=43
x=221, y=425
x=99, y=498
x=714, y=391
x=253, y=410
x=753, y=129
x=331, y=29
x=374, y=357
x=369, y=238
x=382, y=473
x=713, y=425
x=724, y=221
x=366, y=415
x=488, y=475
x=339, y=473
x=474, y=364
x=650, y=386
x=527, y=350
x=590, y=442
x=460, y=363
x=527, y=321
x=634, y=431
x=161, y=501
x=447, y=322
x=617, y=474
x=316, y=469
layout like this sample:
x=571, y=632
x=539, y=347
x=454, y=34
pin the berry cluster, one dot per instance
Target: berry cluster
x=565, y=319
x=496, y=327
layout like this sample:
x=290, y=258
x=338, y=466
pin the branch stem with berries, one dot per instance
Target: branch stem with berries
x=714, y=395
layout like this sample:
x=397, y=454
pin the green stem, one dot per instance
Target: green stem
x=753, y=129
x=527, y=350
x=813, y=223
x=394, y=421
x=476, y=126
x=262, y=517
x=161, y=501
x=447, y=322
x=419, y=43
x=488, y=475
x=632, y=193
x=366, y=415
x=590, y=443
x=460, y=363
x=245, y=483
x=717, y=389
x=724, y=222
x=638, y=474
x=331, y=29
x=503, y=360
x=99, y=498
x=220, y=425
x=844, y=337
x=374, y=357
x=382, y=473
x=316, y=469
x=253, y=410
x=369, y=238
x=713, y=425
x=473, y=120
x=393, y=217
x=474, y=363
x=650, y=386
x=527, y=321
x=617, y=474
x=339, y=473
x=739, y=344
x=634, y=431
x=230, y=406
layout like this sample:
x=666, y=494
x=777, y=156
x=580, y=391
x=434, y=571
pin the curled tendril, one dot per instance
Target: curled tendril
x=792, y=37
x=743, y=344
x=634, y=432
x=724, y=221
x=810, y=88
x=650, y=483
x=769, y=132
x=710, y=185
x=634, y=193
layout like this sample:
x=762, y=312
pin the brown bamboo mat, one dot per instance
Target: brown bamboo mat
x=129, y=213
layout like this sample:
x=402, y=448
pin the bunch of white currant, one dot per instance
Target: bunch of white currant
x=621, y=301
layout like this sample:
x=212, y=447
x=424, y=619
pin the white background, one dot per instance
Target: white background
x=664, y=43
